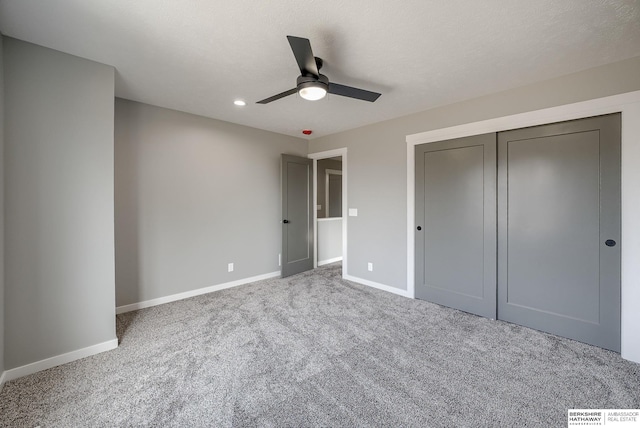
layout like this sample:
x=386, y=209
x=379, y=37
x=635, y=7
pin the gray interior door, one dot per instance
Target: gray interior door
x=559, y=229
x=456, y=224
x=297, y=214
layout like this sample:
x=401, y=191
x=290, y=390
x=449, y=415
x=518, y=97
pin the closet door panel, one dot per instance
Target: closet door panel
x=559, y=203
x=456, y=224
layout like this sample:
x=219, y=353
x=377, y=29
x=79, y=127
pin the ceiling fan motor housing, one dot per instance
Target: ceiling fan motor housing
x=312, y=81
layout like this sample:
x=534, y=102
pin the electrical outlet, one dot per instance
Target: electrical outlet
x=230, y=267
x=370, y=267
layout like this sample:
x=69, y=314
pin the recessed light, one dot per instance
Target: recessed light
x=240, y=103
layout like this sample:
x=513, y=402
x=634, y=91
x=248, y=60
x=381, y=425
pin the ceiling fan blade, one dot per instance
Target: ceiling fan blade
x=277, y=97
x=348, y=91
x=304, y=55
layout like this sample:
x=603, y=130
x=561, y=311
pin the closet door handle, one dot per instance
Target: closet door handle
x=610, y=243
x=419, y=227
x=285, y=221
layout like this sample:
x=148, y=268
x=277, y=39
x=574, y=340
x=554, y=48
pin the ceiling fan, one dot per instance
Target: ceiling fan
x=311, y=85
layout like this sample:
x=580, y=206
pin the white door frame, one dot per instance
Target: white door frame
x=629, y=105
x=324, y=155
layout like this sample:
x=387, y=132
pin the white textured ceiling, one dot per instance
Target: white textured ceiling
x=198, y=56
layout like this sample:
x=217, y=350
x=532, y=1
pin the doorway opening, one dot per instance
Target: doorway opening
x=330, y=208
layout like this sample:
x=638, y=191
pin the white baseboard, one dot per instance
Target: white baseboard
x=333, y=260
x=2, y=380
x=383, y=287
x=192, y=293
x=58, y=360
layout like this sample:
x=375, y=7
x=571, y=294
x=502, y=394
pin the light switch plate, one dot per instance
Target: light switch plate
x=353, y=212
x=318, y=207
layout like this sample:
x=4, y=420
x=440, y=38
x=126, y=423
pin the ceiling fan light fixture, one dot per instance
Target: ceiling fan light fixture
x=312, y=91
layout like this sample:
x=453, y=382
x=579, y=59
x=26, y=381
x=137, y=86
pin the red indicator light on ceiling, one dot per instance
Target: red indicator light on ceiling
x=307, y=131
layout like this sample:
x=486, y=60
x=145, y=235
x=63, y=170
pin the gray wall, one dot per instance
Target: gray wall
x=377, y=160
x=1, y=205
x=59, y=253
x=329, y=239
x=323, y=165
x=193, y=194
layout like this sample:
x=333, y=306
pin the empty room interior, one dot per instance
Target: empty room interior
x=299, y=213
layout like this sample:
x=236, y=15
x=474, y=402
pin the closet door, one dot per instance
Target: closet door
x=456, y=223
x=559, y=229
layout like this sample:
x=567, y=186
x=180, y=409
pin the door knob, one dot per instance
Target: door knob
x=285, y=221
x=419, y=227
x=610, y=243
